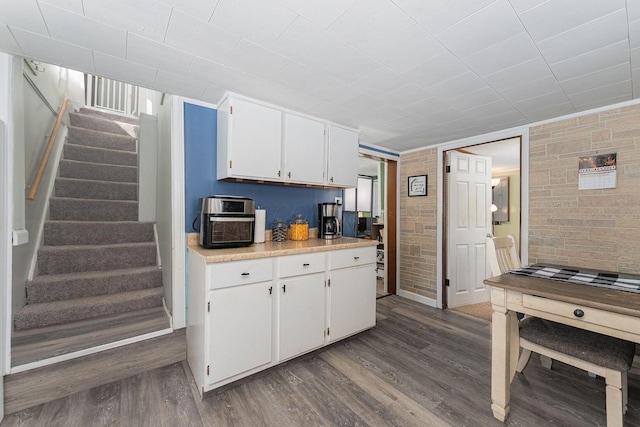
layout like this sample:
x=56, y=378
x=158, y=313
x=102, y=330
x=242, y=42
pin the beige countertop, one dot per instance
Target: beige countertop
x=273, y=249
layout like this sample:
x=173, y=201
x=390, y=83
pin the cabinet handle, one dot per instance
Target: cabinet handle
x=246, y=274
x=289, y=174
x=331, y=179
x=306, y=264
x=356, y=258
x=578, y=313
x=278, y=173
x=270, y=289
x=284, y=288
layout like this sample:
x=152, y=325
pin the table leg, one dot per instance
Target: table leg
x=501, y=325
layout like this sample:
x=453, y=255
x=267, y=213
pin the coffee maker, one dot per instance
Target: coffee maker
x=328, y=222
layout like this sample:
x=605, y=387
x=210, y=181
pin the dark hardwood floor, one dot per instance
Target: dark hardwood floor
x=419, y=367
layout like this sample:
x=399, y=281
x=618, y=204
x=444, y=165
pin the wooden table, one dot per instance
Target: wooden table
x=610, y=312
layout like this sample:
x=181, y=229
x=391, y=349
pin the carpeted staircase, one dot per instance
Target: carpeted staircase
x=96, y=259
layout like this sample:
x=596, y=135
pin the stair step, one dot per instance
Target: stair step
x=107, y=156
x=66, y=209
x=102, y=124
x=109, y=115
x=56, y=287
x=57, y=233
x=59, y=312
x=97, y=190
x=94, y=138
x=97, y=171
x=33, y=387
x=79, y=258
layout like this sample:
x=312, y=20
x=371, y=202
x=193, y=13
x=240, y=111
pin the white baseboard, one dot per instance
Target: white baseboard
x=418, y=298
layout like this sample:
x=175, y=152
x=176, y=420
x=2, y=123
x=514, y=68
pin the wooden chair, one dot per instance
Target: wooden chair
x=600, y=354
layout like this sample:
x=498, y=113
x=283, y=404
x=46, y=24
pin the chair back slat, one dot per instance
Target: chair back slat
x=502, y=254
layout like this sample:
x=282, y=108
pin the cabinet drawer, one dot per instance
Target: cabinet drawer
x=296, y=265
x=225, y=274
x=352, y=257
x=590, y=315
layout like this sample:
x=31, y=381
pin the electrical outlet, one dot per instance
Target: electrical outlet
x=339, y=201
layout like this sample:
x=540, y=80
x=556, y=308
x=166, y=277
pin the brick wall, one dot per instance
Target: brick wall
x=418, y=234
x=589, y=228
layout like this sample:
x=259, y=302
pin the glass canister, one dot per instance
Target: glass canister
x=279, y=231
x=299, y=228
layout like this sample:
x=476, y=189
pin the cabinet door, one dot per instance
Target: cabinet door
x=304, y=149
x=301, y=315
x=342, y=167
x=353, y=301
x=240, y=325
x=255, y=141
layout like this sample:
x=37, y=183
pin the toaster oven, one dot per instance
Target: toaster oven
x=226, y=221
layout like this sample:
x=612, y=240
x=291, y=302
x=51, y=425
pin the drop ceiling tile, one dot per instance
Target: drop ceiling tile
x=436, y=70
x=523, y=5
x=307, y=43
x=635, y=59
x=361, y=103
x=618, y=90
x=213, y=94
x=253, y=59
x=550, y=111
x=274, y=93
x=634, y=34
x=487, y=27
x=348, y=65
x=74, y=6
x=542, y=101
x=593, y=35
x=123, y=70
x=259, y=21
x=73, y=28
x=369, y=23
x=458, y=85
x=508, y=53
x=436, y=16
x=157, y=55
x=606, y=77
x=555, y=17
x=379, y=82
x=23, y=14
x=213, y=73
x=202, y=9
x=148, y=18
x=199, y=38
x=320, y=13
x=486, y=95
x=300, y=77
x=531, y=90
x=7, y=42
x=491, y=109
x=633, y=10
x=54, y=52
x=591, y=61
x=178, y=85
x=599, y=102
x=511, y=77
x=406, y=50
x=407, y=94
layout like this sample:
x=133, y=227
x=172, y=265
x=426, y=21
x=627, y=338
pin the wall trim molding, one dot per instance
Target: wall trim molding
x=418, y=298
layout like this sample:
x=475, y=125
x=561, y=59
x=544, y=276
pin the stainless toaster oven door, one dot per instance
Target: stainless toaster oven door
x=231, y=230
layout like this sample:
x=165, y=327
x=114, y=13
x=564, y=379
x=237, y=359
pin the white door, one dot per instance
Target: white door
x=5, y=262
x=301, y=314
x=303, y=149
x=342, y=164
x=468, y=222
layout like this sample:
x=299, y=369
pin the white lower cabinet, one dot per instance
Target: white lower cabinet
x=245, y=316
x=240, y=330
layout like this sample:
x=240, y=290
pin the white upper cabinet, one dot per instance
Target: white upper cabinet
x=303, y=149
x=249, y=140
x=342, y=165
x=262, y=142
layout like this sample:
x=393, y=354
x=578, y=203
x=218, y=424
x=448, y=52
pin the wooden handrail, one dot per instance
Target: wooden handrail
x=47, y=152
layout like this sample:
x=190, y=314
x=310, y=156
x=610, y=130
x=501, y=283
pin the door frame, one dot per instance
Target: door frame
x=521, y=132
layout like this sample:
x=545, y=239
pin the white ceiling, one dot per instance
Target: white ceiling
x=407, y=73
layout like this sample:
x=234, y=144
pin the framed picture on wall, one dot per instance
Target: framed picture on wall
x=417, y=185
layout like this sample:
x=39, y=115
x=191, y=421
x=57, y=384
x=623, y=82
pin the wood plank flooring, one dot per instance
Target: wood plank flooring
x=419, y=367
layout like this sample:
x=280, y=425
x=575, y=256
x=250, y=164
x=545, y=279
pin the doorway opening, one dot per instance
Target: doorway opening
x=494, y=208
x=370, y=213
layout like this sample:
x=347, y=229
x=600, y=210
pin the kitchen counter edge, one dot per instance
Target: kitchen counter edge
x=274, y=249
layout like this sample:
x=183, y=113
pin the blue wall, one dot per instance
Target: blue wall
x=281, y=202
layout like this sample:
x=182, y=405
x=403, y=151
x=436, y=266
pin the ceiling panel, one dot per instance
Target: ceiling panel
x=320, y=13
x=529, y=71
x=436, y=70
x=551, y=18
x=591, y=61
x=157, y=55
x=123, y=70
x=508, y=53
x=7, y=42
x=348, y=65
x=70, y=27
x=379, y=82
x=259, y=21
x=538, y=102
x=253, y=59
x=54, y=51
x=24, y=14
x=606, y=77
x=202, y=9
x=596, y=96
x=170, y=83
x=523, y=5
x=213, y=73
x=74, y=6
x=148, y=18
x=531, y=89
x=436, y=16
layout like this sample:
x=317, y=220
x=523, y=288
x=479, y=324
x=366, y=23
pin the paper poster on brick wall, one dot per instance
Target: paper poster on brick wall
x=597, y=172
